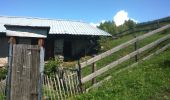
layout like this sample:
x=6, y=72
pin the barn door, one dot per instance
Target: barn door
x=25, y=72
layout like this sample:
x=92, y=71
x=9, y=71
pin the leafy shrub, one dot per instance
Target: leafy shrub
x=3, y=73
x=51, y=67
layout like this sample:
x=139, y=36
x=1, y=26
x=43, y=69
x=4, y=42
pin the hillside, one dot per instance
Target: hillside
x=148, y=80
x=133, y=83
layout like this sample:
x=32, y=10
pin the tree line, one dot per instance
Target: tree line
x=110, y=26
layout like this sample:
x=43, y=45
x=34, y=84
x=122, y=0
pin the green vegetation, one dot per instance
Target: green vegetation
x=51, y=67
x=110, y=26
x=148, y=80
x=3, y=73
x=130, y=26
x=108, y=43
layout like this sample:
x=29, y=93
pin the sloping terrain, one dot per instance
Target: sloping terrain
x=148, y=80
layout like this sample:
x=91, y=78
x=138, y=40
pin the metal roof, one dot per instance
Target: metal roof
x=56, y=26
x=27, y=31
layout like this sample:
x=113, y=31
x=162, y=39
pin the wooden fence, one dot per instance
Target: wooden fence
x=61, y=85
x=102, y=70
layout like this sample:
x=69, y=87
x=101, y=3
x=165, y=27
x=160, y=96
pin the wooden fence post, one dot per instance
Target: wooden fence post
x=41, y=69
x=12, y=41
x=93, y=70
x=136, y=47
x=79, y=76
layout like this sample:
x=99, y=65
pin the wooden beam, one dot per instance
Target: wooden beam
x=124, y=45
x=125, y=58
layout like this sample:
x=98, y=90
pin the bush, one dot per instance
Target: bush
x=51, y=67
x=3, y=73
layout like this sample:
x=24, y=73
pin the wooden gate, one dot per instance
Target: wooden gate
x=25, y=77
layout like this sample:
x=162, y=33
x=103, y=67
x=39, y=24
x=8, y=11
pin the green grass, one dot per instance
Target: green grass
x=108, y=44
x=113, y=57
x=148, y=80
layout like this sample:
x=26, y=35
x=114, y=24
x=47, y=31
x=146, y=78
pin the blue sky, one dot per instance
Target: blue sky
x=87, y=10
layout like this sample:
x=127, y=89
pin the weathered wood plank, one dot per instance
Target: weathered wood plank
x=93, y=70
x=115, y=63
x=59, y=86
x=35, y=72
x=147, y=57
x=115, y=49
x=66, y=84
x=63, y=88
x=8, y=88
x=25, y=72
x=69, y=82
x=41, y=71
x=56, y=88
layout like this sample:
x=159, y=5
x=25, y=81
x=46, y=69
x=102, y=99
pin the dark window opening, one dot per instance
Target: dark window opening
x=49, y=49
x=3, y=47
x=67, y=50
x=34, y=41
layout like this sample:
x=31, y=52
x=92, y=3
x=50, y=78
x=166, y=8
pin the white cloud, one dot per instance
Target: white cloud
x=97, y=24
x=121, y=17
x=94, y=24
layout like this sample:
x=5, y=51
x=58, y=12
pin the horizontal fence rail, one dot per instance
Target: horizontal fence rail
x=115, y=63
x=124, y=45
x=145, y=58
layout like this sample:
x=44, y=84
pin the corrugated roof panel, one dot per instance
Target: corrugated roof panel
x=56, y=26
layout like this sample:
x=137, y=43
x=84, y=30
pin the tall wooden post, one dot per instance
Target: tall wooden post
x=136, y=47
x=12, y=41
x=79, y=76
x=93, y=70
x=41, y=44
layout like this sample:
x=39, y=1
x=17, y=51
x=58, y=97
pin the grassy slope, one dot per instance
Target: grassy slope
x=149, y=80
x=108, y=44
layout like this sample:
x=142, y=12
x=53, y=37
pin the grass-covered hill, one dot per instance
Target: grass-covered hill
x=150, y=80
